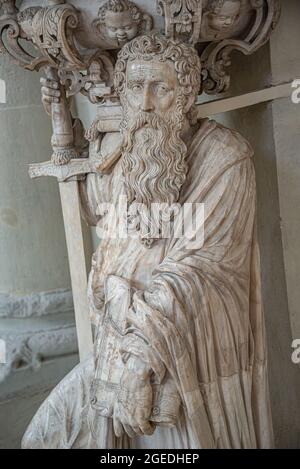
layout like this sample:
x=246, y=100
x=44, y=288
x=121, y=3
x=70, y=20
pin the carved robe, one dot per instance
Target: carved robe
x=200, y=311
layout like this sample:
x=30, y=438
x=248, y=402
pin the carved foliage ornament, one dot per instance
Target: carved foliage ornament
x=52, y=34
x=94, y=82
x=11, y=35
x=215, y=27
x=215, y=57
x=218, y=27
x=48, y=29
x=182, y=18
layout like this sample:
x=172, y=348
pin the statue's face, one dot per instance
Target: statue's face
x=120, y=26
x=151, y=86
x=225, y=17
x=153, y=159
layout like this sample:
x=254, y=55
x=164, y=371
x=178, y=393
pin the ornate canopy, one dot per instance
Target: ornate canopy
x=81, y=38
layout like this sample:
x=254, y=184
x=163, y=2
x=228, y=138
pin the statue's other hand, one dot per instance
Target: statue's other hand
x=133, y=407
x=50, y=93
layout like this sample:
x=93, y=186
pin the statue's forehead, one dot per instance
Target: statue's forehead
x=118, y=19
x=230, y=8
x=152, y=70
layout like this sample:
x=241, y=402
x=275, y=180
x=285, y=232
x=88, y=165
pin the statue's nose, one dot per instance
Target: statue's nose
x=147, y=103
x=121, y=33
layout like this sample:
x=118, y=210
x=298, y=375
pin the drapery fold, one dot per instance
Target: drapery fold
x=196, y=310
x=202, y=313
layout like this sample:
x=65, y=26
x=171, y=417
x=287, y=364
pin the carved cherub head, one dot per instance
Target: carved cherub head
x=222, y=14
x=121, y=20
x=25, y=19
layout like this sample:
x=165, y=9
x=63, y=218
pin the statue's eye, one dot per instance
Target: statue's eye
x=162, y=90
x=112, y=29
x=136, y=88
x=128, y=27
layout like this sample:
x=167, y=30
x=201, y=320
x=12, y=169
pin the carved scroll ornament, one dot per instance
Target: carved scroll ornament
x=52, y=29
x=215, y=57
x=182, y=18
x=48, y=29
x=77, y=39
x=217, y=27
x=11, y=36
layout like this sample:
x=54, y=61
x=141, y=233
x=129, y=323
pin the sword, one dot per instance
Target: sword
x=69, y=171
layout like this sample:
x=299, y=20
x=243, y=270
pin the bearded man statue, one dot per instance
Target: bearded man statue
x=180, y=352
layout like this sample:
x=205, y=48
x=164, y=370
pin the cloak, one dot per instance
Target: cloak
x=196, y=312
x=201, y=310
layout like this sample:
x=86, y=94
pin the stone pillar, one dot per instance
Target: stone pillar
x=36, y=309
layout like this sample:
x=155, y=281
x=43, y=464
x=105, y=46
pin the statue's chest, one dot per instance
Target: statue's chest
x=127, y=258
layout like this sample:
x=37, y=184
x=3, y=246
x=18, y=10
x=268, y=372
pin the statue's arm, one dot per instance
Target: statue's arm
x=52, y=95
x=88, y=199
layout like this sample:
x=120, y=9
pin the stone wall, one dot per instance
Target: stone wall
x=36, y=310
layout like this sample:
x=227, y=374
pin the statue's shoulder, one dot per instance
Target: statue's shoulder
x=215, y=143
x=105, y=148
x=214, y=151
x=110, y=142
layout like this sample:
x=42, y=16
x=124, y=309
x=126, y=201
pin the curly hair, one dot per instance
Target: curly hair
x=147, y=47
x=216, y=5
x=28, y=14
x=118, y=6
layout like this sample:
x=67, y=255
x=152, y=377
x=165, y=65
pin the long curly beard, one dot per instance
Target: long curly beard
x=154, y=167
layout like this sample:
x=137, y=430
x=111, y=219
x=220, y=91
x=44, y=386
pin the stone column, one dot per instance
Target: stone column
x=36, y=309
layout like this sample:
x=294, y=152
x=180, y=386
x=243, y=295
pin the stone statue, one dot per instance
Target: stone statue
x=179, y=352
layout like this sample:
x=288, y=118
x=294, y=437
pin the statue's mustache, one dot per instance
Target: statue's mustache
x=143, y=119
